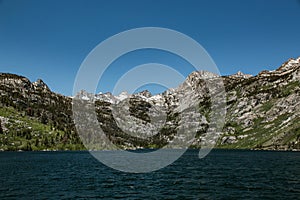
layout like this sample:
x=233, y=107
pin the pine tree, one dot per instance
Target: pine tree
x=46, y=142
x=36, y=142
x=1, y=130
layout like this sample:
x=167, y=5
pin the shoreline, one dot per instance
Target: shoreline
x=148, y=149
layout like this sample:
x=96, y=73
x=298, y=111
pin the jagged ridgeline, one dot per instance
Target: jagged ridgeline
x=33, y=117
x=262, y=113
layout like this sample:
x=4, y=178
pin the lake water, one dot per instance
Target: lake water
x=223, y=174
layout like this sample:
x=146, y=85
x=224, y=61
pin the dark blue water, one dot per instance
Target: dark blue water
x=223, y=174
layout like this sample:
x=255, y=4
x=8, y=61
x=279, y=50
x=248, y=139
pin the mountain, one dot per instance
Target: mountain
x=34, y=118
x=262, y=112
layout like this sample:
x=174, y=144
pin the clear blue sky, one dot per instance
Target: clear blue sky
x=49, y=39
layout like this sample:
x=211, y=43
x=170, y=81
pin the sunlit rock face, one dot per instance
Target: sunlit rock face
x=262, y=110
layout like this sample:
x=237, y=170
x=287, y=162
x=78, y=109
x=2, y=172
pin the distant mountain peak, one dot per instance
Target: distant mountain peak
x=240, y=74
x=123, y=95
x=144, y=93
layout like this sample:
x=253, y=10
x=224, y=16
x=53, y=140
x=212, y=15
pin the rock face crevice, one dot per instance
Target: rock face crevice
x=262, y=112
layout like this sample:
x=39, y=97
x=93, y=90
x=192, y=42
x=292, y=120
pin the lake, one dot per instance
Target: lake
x=223, y=174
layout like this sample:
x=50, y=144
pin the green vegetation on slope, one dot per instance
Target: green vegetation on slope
x=21, y=132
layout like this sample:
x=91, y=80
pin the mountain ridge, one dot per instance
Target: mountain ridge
x=262, y=113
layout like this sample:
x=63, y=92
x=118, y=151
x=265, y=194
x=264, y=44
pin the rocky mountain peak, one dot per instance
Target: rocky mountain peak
x=122, y=96
x=144, y=93
x=240, y=74
x=106, y=97
x=289, y=65
x=198, y=76
x=16, y=81
x=202, y=74
x=39, y=84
